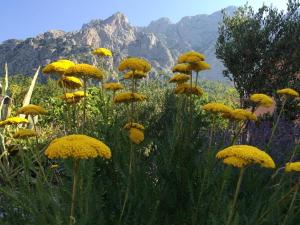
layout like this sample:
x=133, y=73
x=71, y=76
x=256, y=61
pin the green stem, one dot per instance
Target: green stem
x=238, y=132
x=212, y=130
x=84, y=105
x=74, y=192
x=291, y=205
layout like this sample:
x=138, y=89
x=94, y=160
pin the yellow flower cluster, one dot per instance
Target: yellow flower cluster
x=135, y=64
x=191, y=57
x=84, y=71
x=134, y=125
x=288, y=92
x=102, y=52
x=248, y=154
x=24, y=133
x=179, y=78
x=127, y=97
x=217, y=108
x=240, y=114
x=73, y=97
x=262, y=100
x=135, y=75
x=187, y=89
x=78, y=147
x=70, y=82
x=292, y=167
x=235, y=161
x=58, y=67
x=182, y=68
x=136, y=132
x=32, y=110
x=12, y=121
x=199, y=66
x=113, y=86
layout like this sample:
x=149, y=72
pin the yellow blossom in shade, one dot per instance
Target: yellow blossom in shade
x=77, y=146
x=235, y=161
x=127, y=97
x=262, y=100
x=70, y=82
x=185, y=88
x=135, y=64
x=292, y=167
x=182, y=68
x=13, y=120
x=135, y=125
x=250, y=154
x=25, y=133
x=179, y=78
x=32, y=110
x=113, y=86
x=102, y=52
x=54, y=166
x=191, y=57
x=242, y=114
x=288, y=92
x=136, y=135
x=216, y=108
x=58, y=67
x=135, y=75
x=85, y=71
x=199, y=66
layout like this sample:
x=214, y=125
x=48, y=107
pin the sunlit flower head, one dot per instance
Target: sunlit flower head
x=262, y=100
x=113, y=86
x=136, y=135
x=134, y=64
x=70, y=82
x=250, y=154
x=185, y=88
x=85, y=71
x=102, y=52
x=216, y=108
x=73, y=97
x=128, y=97
x=288, y=92
x=235, y=162
x=135, y=75
x=13, y=121
x=58, y=67
x=77, y=146
x=191, y=57
x=199, y=66
x=241, y=114
x=182, y=68
x=292, y=167
x=32, y=110
x=25, y=133
x=179, y=78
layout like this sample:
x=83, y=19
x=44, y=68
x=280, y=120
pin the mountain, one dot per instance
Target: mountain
x=161, y=42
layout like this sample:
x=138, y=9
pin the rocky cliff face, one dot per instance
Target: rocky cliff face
x=161, y=42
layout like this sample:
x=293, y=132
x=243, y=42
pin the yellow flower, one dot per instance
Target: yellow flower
x=191, y=57
x=102, y=52
x=199, y=66
x=235, y=161
x=136, y=135
x=241, y=114
x=70, y=82
x=58, y=67
x=135, y=125
x=135, y=74
x=216, y=108
x=187, y=89
x=113, y=86
x=250, y=154
x=84, y=71
x=292, y=167
x=182, y=68
x=262, y=100
x=77, y=146
x=179, y=78
x=135, y=64
x=25, y=133
x=32, y=110
x=288, y=92
x=127, y=97
x=73, y=97
x=54, y=166
x=13, y=120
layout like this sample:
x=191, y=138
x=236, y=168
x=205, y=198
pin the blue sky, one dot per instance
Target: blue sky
x=26, y=18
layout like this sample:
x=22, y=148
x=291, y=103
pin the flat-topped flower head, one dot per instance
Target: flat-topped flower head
x=215, y=107
x=292, y=167
x=32, y=110
x=191, y=57
x=288, y=92
x=241, y=114
x=135, y=125
x=77, y=146
x=135, y=75
x=84, y=71
x=104, y=52
x=235, y=162
x=136, y=135
x=262, y=100
x=70, y=82
x=58, y=67
x=184, y=88
x=248, y=155
x=113, y=86
x=73, y=97
x=179, y=78
x=25, y=133
x=128, y=97
x=134, y=64
x=199, y=66
x=182, y=68
x=13, y=121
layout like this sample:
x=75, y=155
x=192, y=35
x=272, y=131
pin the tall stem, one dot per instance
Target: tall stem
x=84, y=105
x=212, y=129
x=291, y=205
x=74, y=192
x=237, y=191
